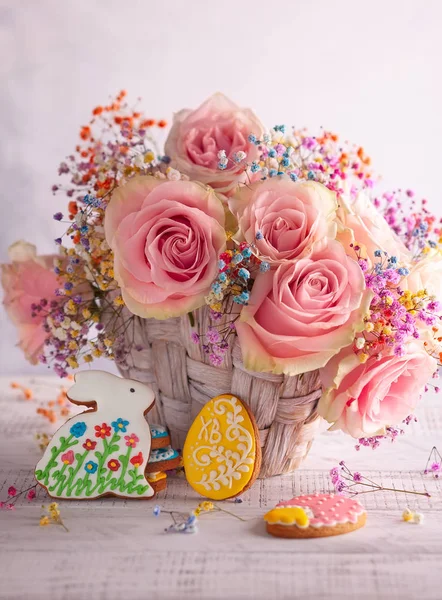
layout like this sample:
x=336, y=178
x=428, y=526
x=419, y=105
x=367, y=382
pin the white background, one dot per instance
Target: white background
x=367, y=70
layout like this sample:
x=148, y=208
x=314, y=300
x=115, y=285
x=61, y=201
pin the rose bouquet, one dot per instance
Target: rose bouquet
x=237, y=259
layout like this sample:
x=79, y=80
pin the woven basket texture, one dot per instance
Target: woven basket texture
x=183, y=379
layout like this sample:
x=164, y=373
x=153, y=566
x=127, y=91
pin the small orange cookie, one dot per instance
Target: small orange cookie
x=157, y=480
x=317, y=515
x=221, y=454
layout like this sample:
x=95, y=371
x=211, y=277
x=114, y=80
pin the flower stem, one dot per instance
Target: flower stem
x=230, y=513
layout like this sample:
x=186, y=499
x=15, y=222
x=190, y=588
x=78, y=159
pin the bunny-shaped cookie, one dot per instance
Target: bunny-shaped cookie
x=102, y=451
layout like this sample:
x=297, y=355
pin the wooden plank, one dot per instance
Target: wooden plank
x=117, y=549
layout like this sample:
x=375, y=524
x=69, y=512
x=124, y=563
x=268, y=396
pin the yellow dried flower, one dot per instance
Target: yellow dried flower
x=206, y=505
x=108, y=343
x=88, y=358
x=44, y=521
x=369, y=327
x=363, y=357
x=86, y=313
x=72, y=362
x=118, y=301
x=70, y=308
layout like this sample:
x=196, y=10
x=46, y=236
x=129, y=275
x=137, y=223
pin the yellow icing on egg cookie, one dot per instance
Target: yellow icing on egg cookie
x=288, y=515
x=221, y=457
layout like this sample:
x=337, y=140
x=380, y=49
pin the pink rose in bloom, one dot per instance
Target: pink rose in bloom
x=166, y=237
x=363, y=225
x=26, y=281
x=284, y=218
x=303, y=313
x=361, y=399
x=426, y=274
x=197, y=136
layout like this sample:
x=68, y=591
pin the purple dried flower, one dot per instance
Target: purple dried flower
x=195, y=337
x=340, y=486
x=213, y=336
x=215, y=359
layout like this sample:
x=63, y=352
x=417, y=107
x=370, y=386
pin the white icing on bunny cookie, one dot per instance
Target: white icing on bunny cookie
x=102, y=451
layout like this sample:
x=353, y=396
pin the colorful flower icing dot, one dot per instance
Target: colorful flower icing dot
x=91, y=467
x=78, y=429
x=131, y=440
x=68, y=457
x=89, y=445
x=120, y=425
x=137, y=460
x=102, y=431
x=114, y=464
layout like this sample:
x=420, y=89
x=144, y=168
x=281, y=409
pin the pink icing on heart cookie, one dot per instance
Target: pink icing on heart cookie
x=327, y=510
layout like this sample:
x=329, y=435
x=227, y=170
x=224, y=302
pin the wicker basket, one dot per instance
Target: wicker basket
x=184, y=380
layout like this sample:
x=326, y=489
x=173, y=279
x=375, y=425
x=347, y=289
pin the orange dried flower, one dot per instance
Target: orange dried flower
x=85, y=132
x=72, y=207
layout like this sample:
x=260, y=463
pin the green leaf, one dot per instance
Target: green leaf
x=140, y=489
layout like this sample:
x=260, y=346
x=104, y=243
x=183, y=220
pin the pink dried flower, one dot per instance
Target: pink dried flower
x=31, y=494
x=12, y=491
x=213, y=336
x=215, y=359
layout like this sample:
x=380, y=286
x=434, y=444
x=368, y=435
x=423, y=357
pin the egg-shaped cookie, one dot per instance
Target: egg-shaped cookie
x=222, y=454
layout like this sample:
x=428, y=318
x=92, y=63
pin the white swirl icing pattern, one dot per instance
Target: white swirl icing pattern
x=230, y=464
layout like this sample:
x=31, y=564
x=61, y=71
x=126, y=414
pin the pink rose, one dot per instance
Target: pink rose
x=284, y=219
x=166, y=237
x=365, y=226
x=28, y=280
x=426, y=274
x=302, y=314
x=361, y=399
x=197, y=136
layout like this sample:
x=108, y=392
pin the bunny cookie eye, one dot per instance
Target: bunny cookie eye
x=132, y=390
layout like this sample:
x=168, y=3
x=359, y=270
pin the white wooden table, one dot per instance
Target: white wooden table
x=118, y=550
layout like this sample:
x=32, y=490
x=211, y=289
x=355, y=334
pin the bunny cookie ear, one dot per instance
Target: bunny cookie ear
x=86, y=388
